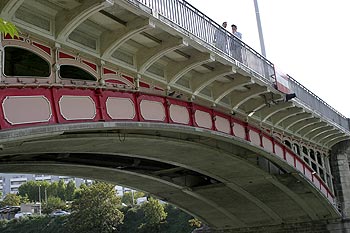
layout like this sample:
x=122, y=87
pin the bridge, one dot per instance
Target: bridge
x=139, y=93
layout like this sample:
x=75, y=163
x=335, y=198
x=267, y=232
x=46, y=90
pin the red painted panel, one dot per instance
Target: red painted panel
x=222, y=122
x=25, y=92
x=145, y=85
x=65, y=55
x=90, y=64
x=45, y=48
x=279, y=150
x=151, y=101
x=177, y=106
x=202, y=117
x=104, y=97
x=108, y=71
x=267, y=143
x=254, y=136
x=58, y=93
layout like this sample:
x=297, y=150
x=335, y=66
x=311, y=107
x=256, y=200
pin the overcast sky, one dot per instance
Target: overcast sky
x=307, y=39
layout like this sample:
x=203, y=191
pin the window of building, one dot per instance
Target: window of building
x=24, y=63
x=74, y=72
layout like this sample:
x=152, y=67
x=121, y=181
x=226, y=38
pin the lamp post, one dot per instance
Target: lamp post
x=258, y=22
x=39, y=200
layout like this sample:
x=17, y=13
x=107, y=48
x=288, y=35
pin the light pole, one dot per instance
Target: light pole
x=258, y=22
x=39, y=200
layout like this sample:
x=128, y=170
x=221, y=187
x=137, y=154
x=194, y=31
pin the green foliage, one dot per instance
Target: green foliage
x=31, y=190
x=176, y=221
x=154, y=215
x=8, y=28
x=11, y=200
x=55, y=189
x=127, y=197
x=96, y=210
x=34, y=225
x=53, y=203
x=70, y=189
x=61, y=190
x=195, y=223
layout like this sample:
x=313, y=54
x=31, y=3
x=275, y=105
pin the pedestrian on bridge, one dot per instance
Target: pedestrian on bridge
x=220, y=38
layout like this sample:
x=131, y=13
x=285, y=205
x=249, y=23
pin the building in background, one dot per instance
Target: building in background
x=9, y=183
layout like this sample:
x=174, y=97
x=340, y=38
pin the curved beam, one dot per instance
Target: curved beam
x=270, y=110
x=337, y=139
x=305, y=122
x=330, y=137
x=324, y=134
x=147, y=56
x=179, y=69
x=111, y=41
x=315, y=131
x=231, y=216
x=287, y=113
x=239, y=97
x=309, y=125
x=9, y=7
x=294, y=197
x=223, y=89
x=303, y=131
x=296, y=120
x=255, y=200
x=67, y=21
x=199, y=83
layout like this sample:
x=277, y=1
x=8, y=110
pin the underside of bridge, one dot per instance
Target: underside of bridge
x=226, y=183
x=136, y=92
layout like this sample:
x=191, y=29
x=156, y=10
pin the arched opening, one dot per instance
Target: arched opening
x=74, y=72
x=24, y=63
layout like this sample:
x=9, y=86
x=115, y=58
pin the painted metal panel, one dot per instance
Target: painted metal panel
x=179, y=114
x=299, y=165
x=267, y=144
x=77, y=107
x=222, y=124
x=26, y=109
x=152, y=110
x=279, y=151
x=239, y=130
x=316, y=182
x=290, y=158
x=324, y=190
x=308, y=173
x=254, y=137
x=119, y=108
x=203, y=119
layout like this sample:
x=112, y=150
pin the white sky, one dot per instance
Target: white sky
x=307, y=39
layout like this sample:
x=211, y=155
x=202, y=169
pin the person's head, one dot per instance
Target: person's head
x=234, y=28
x=224, y=24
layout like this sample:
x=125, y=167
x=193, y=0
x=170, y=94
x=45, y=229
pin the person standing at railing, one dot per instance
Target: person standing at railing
x=235, y=44
x=220, y=38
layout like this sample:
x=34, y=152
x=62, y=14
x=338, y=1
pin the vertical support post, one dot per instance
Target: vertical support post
x=258, y=22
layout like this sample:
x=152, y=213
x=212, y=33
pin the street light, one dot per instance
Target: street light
x=261, y=38
x=39, y=200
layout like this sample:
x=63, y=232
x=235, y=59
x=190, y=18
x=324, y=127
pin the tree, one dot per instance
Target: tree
x=31, y=190
x=127, y=197
x=53, y=203
x=154, y=215
x=96, y=210
x=11, y=200
x=8, y=28
x=70, y=189
x=61, y=190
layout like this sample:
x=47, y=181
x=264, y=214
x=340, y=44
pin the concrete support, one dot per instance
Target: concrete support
x=304, y=227
x=341, y=172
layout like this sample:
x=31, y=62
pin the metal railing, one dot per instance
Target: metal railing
x=317, y=104
x=201, y=26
